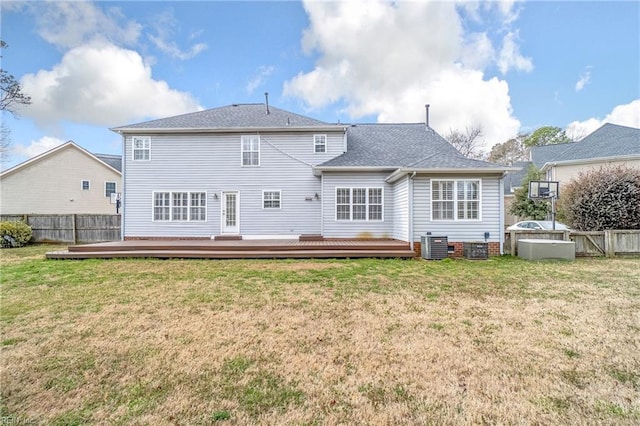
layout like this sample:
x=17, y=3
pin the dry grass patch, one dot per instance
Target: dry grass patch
x=320, y=342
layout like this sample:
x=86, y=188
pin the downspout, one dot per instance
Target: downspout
x=124, y=189
x=322, y=204
x=501, y=209
x=410, y=202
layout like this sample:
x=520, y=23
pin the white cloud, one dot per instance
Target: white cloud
x=103, y=85
x=36, y=147
x=510, y=57
x=623, y=115
x=71, y=24
x=584, y=79
x=263, y=74
x=165, y=25
x=389, y=59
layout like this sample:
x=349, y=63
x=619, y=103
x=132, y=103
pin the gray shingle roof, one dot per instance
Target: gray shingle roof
x=401, y=145
x=114, y=161
x=610, y=140
x=514, y=179
x=229, y=117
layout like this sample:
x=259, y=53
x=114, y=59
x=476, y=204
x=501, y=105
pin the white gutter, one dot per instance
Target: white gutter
x=403, y=171
x=589, y=161
x=155, y=130
x=410, y=201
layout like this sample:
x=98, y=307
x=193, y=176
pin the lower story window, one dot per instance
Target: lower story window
x=179, y=206
x=455, y=199
x=271, y=199
x=359, y=204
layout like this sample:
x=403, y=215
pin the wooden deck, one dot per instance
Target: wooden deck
x=239, y=249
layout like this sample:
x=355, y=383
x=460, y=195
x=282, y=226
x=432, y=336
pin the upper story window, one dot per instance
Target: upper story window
x=319, y=143
x=455, y=199
x=141, y=148
x=271, y=199
x=359, y=204
x=109, y=188
x=251, y=150
x=85, y=185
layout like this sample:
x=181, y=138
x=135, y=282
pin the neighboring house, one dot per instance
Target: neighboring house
x=254, y=171
x=610, y=145
x=66, y=179
x=512, y=181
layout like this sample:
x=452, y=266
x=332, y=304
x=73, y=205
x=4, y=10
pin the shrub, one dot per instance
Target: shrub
x=606, y=198
x=14, y=234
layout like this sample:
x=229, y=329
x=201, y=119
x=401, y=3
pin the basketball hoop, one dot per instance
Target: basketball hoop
x=544, y=190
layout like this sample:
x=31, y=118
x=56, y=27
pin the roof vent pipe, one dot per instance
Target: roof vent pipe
x=427, y=115
x=266, y=96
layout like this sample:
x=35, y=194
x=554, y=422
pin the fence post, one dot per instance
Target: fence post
x=513, y=242
x=609, y=243
x=73, y=228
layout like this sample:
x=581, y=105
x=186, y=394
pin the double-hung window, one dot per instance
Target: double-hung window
x=361, y=204
x=319, y=144
x=271, y=199
x=455, y=199
x=141, y=148
x=250, y=150
x=109, y=188
x=179, y=206
x=85, y=185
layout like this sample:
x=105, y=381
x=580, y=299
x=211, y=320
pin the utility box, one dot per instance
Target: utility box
x=434, y=248
x=476, y=250
x=546, y=249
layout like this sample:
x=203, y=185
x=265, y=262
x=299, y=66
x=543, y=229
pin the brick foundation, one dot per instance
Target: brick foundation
x=493, y=247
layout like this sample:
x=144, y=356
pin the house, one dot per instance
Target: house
x=512, y=182
x=610, y=145
x=255, y=171
x=64, y=180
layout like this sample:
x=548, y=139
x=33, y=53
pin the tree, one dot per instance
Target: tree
x=468, y=143
x=510, y=151
x=11, y=97
x=606, y=198
x=523, y=206
x=547, y=135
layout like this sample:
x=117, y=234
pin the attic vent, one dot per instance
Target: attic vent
x=234, y=105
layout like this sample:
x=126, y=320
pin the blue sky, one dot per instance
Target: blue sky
x=507, y=66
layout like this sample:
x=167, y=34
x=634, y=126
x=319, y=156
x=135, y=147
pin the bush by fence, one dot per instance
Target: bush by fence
x=14, y=234
x=70, y=228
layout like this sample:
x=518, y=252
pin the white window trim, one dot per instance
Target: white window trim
x=82, y=185
x=279, y=199
x=326, y=143
x=153, y=206
x=455, y=200
x=242, y=151
x=115, y=186
x=133, y=148
x=351, y=219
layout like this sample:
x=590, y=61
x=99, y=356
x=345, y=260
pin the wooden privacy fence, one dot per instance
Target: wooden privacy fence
x=592, y=243
x=71, y=228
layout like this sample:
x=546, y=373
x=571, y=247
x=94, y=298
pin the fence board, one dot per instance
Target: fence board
x=70, y=228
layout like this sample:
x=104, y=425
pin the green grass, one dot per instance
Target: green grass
x=365, y=341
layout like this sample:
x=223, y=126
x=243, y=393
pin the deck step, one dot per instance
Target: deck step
x=228, y=237
x=231, y=254
x=311, y=237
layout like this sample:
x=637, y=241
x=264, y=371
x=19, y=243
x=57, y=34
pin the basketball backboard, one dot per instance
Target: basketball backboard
x=544, y=189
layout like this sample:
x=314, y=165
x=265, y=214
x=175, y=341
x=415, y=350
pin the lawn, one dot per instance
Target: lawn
x=367, y=341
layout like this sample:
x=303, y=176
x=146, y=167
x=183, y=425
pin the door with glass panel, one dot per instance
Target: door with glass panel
x=230, y=213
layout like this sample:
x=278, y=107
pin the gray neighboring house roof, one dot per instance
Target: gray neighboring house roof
x=236, y=116
x=401, y=146
x=514, y=179
x=114, y=161
x=610, y=140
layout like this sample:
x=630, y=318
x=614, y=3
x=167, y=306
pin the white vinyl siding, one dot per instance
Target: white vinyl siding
x=141, y=148
x=179, y=206
x=250, y=150
x=455, y=199
x=271, y=199
x=319, y=144
x=359, y=204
